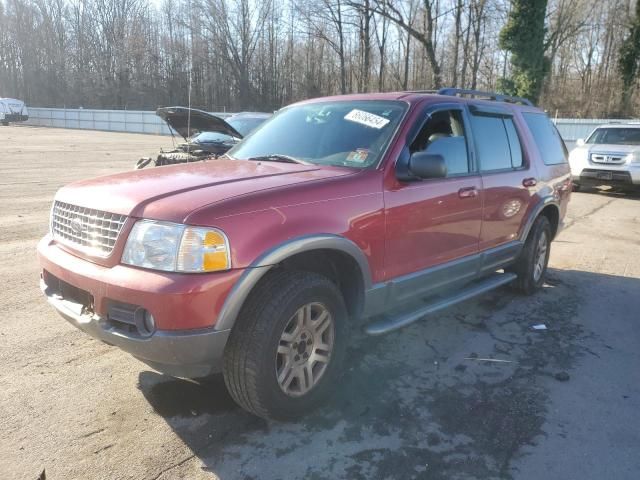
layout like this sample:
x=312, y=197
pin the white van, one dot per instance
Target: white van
x=12, y=110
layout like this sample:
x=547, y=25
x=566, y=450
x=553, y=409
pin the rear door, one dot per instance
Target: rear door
x=508, y=174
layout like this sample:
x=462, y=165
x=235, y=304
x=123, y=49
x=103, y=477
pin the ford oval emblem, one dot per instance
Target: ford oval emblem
x=77, y=226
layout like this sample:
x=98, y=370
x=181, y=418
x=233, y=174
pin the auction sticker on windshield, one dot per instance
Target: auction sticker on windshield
x=366, y=118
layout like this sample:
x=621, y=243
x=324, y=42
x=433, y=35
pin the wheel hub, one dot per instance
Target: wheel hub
x=302, y=346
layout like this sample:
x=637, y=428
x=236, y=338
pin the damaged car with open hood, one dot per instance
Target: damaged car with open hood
x=205, y=135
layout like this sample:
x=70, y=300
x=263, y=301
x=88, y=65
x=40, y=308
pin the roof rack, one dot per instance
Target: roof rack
x=422, y=91
x=497, y=97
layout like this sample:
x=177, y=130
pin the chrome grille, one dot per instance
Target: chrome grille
x=609, y=158
x=86, y=229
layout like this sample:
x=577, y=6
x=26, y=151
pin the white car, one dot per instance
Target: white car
x=609, y=156
x=12, y=110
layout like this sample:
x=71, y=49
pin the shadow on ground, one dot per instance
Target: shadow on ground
x=613, y=192
x=417, y=403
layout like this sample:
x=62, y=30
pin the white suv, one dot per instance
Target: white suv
x=609, y=156
x=12, y=110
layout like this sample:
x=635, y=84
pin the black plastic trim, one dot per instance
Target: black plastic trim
x=438, y=279
x=276, y=255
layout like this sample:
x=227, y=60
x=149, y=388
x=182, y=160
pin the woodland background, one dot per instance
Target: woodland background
x=577, y=58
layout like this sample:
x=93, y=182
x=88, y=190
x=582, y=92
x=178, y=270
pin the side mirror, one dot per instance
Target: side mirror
x=427, y=165
x=580, y=142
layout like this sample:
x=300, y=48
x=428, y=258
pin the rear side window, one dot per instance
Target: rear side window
x=551, y=146
x=497, y=142
x=514, y=143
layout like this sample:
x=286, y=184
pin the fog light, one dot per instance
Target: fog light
x=145, y=322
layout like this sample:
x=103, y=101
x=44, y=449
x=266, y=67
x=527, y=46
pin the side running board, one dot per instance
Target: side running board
x=477, y=288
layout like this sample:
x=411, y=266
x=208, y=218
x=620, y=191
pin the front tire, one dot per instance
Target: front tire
x=285, y=351
x=531, y=266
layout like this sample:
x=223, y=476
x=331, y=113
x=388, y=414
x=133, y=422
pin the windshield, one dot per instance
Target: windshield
x=245, y=125
x=344, y=133
x=616, y=136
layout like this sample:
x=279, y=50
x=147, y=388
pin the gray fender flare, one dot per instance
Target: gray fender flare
x=545, y=202
x=248, y=280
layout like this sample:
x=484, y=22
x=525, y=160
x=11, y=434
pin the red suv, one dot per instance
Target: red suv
x=339, y=208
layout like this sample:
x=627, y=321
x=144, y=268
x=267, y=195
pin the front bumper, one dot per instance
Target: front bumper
x=623, y=176
x=186, y=353
x=14, y=117
x=185, y=306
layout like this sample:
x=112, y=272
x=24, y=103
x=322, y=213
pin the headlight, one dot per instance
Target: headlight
x=577, y=155
x=633, y=157
x=173, y=247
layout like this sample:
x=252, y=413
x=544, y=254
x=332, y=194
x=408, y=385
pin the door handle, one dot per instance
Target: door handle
x=469, y=192
x=529, y=182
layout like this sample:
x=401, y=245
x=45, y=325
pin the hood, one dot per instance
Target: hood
x=11, y=105
x=171, y=193
x=613, y=148
x=189, y=121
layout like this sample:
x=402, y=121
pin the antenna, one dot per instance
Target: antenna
x=190, y=70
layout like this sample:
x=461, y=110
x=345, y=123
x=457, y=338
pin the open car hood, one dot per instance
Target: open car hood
x=178, y=119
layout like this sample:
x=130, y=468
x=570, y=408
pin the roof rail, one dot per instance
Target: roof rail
x=497, y=97
x=422, y=91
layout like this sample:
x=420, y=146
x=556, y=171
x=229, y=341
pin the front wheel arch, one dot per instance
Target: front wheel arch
x=295, y=255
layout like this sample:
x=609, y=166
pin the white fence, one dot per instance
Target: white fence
x=113, y=120
x=137, y=121
x=132, y=121
x=572, y=129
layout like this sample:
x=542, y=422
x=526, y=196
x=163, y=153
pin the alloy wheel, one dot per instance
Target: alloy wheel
x=541, y=257
x=305, y=349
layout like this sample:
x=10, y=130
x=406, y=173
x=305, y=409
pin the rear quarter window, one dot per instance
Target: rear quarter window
x=547, y=138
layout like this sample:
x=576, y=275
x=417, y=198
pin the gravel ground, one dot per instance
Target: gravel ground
x=418, y=403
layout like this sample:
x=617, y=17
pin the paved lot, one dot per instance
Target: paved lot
x=418, y=403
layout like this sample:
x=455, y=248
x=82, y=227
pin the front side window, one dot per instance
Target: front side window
x=547, y=138
x=497, y=142
x=339, y=133
x=444, y=134
x=615, y=136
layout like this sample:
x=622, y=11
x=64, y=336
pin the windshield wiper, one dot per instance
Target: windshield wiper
x=277, y=157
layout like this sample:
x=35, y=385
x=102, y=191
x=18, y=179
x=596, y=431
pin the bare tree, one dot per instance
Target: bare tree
x=426, y=37
x=242, y=54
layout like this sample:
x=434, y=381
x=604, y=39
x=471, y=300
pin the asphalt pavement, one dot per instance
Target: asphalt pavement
x=471, y=393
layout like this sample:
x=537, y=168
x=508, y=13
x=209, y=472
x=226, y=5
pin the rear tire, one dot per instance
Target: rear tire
x=531, y=266
x=285, y=351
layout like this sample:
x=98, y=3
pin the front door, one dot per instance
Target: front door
x=435, y=221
